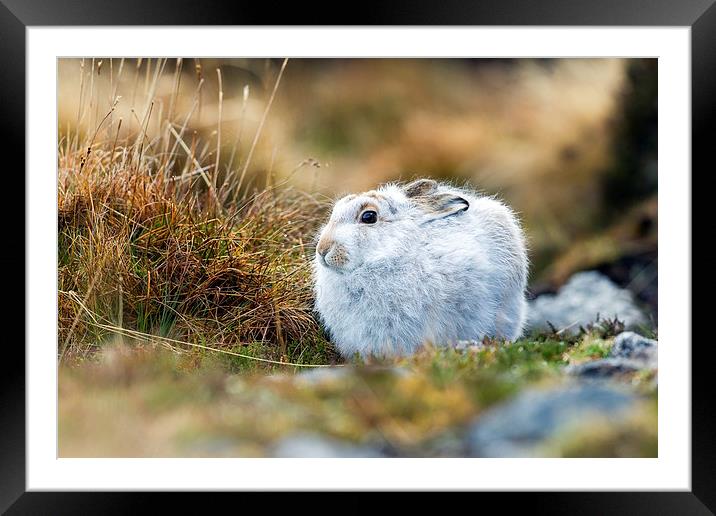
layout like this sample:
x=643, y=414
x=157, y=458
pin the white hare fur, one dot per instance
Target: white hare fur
x=440, y=264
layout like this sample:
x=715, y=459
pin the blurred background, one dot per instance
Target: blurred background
x=570, y=144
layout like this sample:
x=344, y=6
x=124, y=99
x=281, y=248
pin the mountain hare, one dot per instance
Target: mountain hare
x=421, y=262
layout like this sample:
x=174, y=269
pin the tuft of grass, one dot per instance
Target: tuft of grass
x=157, y=240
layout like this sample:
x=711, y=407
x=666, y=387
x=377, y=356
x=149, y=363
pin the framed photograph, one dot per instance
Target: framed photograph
x=419, y=252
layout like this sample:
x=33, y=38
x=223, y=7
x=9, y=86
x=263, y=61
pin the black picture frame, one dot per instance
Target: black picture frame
x=17, y=15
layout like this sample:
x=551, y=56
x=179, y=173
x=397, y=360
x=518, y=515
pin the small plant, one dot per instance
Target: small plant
x=603, y=328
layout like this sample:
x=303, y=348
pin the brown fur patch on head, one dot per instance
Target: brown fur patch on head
x=420, y=188
x=326, y=240
x=324, y=244
x=339, y=257
x=365, y=206
x=375, y=195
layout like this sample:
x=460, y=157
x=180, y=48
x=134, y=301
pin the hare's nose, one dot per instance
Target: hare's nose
x=324, y=246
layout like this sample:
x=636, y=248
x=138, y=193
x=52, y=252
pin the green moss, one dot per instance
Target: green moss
x=590, y=349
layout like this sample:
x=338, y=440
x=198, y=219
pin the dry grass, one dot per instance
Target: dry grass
x=156, y=239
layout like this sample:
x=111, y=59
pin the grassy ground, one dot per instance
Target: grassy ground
x=137, y=400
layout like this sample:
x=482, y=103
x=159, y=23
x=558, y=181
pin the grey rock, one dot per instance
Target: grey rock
x=468, y=344
x=604, y=368
x=633, y=346
x=327, y=375
x=319, y=375
x=516, y=428
x=402, y=371
x=630, y=353
x=580, y=300
x=312, y=445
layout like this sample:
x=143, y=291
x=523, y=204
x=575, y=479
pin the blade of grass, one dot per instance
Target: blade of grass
x=261, y=125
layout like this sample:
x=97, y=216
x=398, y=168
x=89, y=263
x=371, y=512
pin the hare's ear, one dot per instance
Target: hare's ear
x=435, y=205
x=420, y=188
x=444, y=205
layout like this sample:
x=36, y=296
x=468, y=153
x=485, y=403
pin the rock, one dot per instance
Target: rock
x=402, y=371
x=635, y=347
x=604, y=368
x=630, y=353
x=580, y=300
x=463, y=345
x=312, y=445
x=321, y=375
x=516, y=428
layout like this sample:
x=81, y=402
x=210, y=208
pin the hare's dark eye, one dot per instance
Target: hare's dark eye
x=369, y=217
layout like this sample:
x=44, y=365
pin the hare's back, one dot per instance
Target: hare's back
x=500, y=233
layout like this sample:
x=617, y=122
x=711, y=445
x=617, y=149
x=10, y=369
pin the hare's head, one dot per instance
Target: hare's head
x=377, y=225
